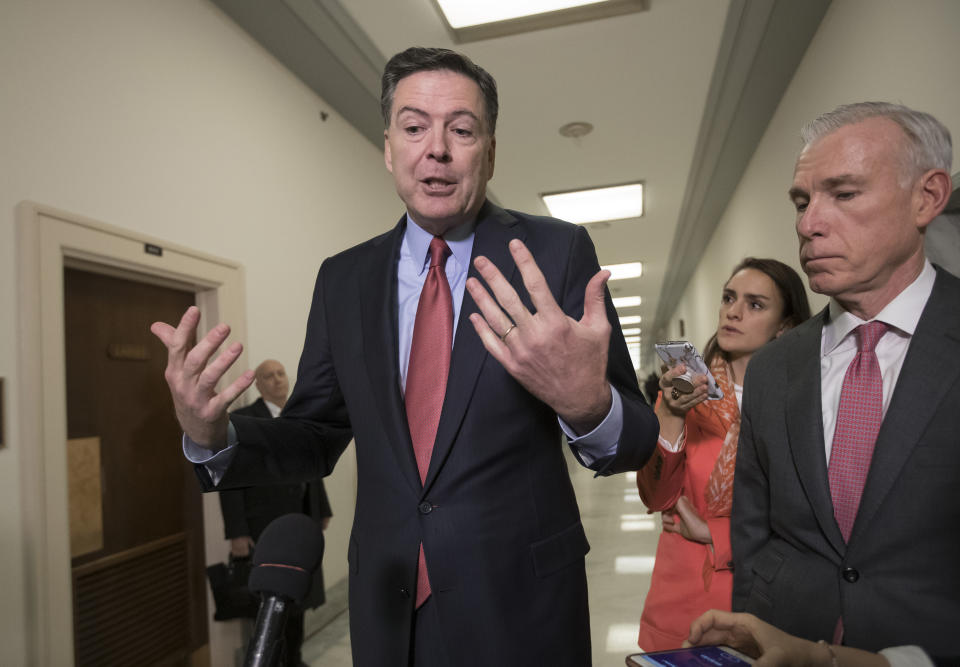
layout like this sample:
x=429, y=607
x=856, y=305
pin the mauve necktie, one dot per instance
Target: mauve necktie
x=858, y=422
x=427, y=373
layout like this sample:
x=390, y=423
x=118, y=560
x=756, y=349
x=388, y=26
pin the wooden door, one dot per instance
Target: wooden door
x=135, y=508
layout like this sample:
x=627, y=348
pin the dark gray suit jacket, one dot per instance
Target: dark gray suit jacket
x=497, y=515
x=898, y=579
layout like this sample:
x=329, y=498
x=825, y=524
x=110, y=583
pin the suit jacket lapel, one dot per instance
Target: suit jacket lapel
x=930, y=368
x=378, y=302
x=495, y=227
x=805, y=426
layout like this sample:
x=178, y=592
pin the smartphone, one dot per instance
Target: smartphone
x=691, y=657
x=674, y=352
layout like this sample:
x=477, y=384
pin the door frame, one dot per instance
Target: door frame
x=48, y=239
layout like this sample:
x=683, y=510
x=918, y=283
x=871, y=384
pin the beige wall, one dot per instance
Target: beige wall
x=906, y=52
x=166, y=119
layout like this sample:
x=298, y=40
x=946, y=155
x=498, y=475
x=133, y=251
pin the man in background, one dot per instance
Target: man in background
x=845, y=500
x=248, y=511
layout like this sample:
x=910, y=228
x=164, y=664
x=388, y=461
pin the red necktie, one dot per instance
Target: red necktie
x=858, y=422
x=427, y=373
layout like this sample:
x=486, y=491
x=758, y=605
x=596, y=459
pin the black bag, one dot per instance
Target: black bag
x=228, y=581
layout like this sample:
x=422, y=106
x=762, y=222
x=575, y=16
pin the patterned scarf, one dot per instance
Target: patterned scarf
x=719, y=491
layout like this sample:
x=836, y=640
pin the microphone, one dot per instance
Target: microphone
x=284, y=560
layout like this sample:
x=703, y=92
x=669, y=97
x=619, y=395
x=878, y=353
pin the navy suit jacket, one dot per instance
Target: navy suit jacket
x=896, y=581
x=497, y=514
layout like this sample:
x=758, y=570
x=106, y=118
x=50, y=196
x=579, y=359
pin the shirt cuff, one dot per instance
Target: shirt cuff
x=671, y=447
x=906, y=656
x=602, y=441
x=216, y=463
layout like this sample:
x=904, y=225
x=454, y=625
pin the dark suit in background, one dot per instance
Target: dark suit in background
x=248, y=511
x=497, y=516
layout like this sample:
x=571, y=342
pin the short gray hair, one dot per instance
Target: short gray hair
x=928, y=144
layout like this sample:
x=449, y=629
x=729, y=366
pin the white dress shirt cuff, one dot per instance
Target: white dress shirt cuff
x=216, y=463
x=602, y=441
x=906, y=656
x=671, y=447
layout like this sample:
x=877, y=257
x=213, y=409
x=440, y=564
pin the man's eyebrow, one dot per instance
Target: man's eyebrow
x=842, y=179
x=453, y=114
x=413, y=110
x=796, y=193
x=464, y=112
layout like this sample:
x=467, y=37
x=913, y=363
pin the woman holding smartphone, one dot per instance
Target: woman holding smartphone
x=689, y=478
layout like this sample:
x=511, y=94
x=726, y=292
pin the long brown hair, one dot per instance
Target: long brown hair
x=796, y=308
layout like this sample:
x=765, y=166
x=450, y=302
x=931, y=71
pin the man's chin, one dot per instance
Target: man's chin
x=822, y=283
x=439, y=221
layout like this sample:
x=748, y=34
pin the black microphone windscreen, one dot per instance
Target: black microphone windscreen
x=285, y=557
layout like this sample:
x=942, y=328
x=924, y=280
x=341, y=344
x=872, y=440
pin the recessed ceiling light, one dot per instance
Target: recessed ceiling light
x=615, y=202
x=630, y=319
x=623, y=271
x=632, y=332
x=626, y=301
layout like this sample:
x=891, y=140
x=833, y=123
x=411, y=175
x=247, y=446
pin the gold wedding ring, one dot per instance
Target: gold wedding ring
x=503, y=338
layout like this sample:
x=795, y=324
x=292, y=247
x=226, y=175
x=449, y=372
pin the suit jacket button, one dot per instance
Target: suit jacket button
x=425, y=507
x=850, y=575
x=404, y=593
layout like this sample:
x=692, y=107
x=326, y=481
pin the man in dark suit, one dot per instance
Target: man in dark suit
x=248, y=511
x=467, y=546
x=845, y=501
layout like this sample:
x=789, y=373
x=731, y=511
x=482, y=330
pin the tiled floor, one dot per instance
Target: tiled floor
x=623, y=539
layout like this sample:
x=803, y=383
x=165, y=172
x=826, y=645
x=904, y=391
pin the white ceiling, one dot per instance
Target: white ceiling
x=678, y=95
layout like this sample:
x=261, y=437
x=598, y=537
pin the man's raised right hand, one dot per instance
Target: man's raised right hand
x=201, y=411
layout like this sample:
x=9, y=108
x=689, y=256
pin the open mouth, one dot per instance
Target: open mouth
x=437, y=185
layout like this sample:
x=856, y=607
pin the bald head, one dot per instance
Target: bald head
x=272, y=383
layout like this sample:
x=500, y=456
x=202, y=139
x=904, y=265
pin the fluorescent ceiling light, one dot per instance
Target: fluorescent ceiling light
x=464, y=13
x=472, y=20
x=596, y=204
x=632, y=341
x=630, y=319
x=632, y=332
x=622, y=271
x=626, y=301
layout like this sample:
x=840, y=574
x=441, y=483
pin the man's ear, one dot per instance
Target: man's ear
x=932, y=194
x=387, y=156
x=491, y=156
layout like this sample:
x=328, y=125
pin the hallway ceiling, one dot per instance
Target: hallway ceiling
x=679, y=96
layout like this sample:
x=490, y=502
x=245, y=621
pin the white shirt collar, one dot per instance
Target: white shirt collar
x=903, y=312
x=273, y=408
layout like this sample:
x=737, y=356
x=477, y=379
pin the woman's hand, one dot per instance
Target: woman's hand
x=675, y=401
x=683, y=519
